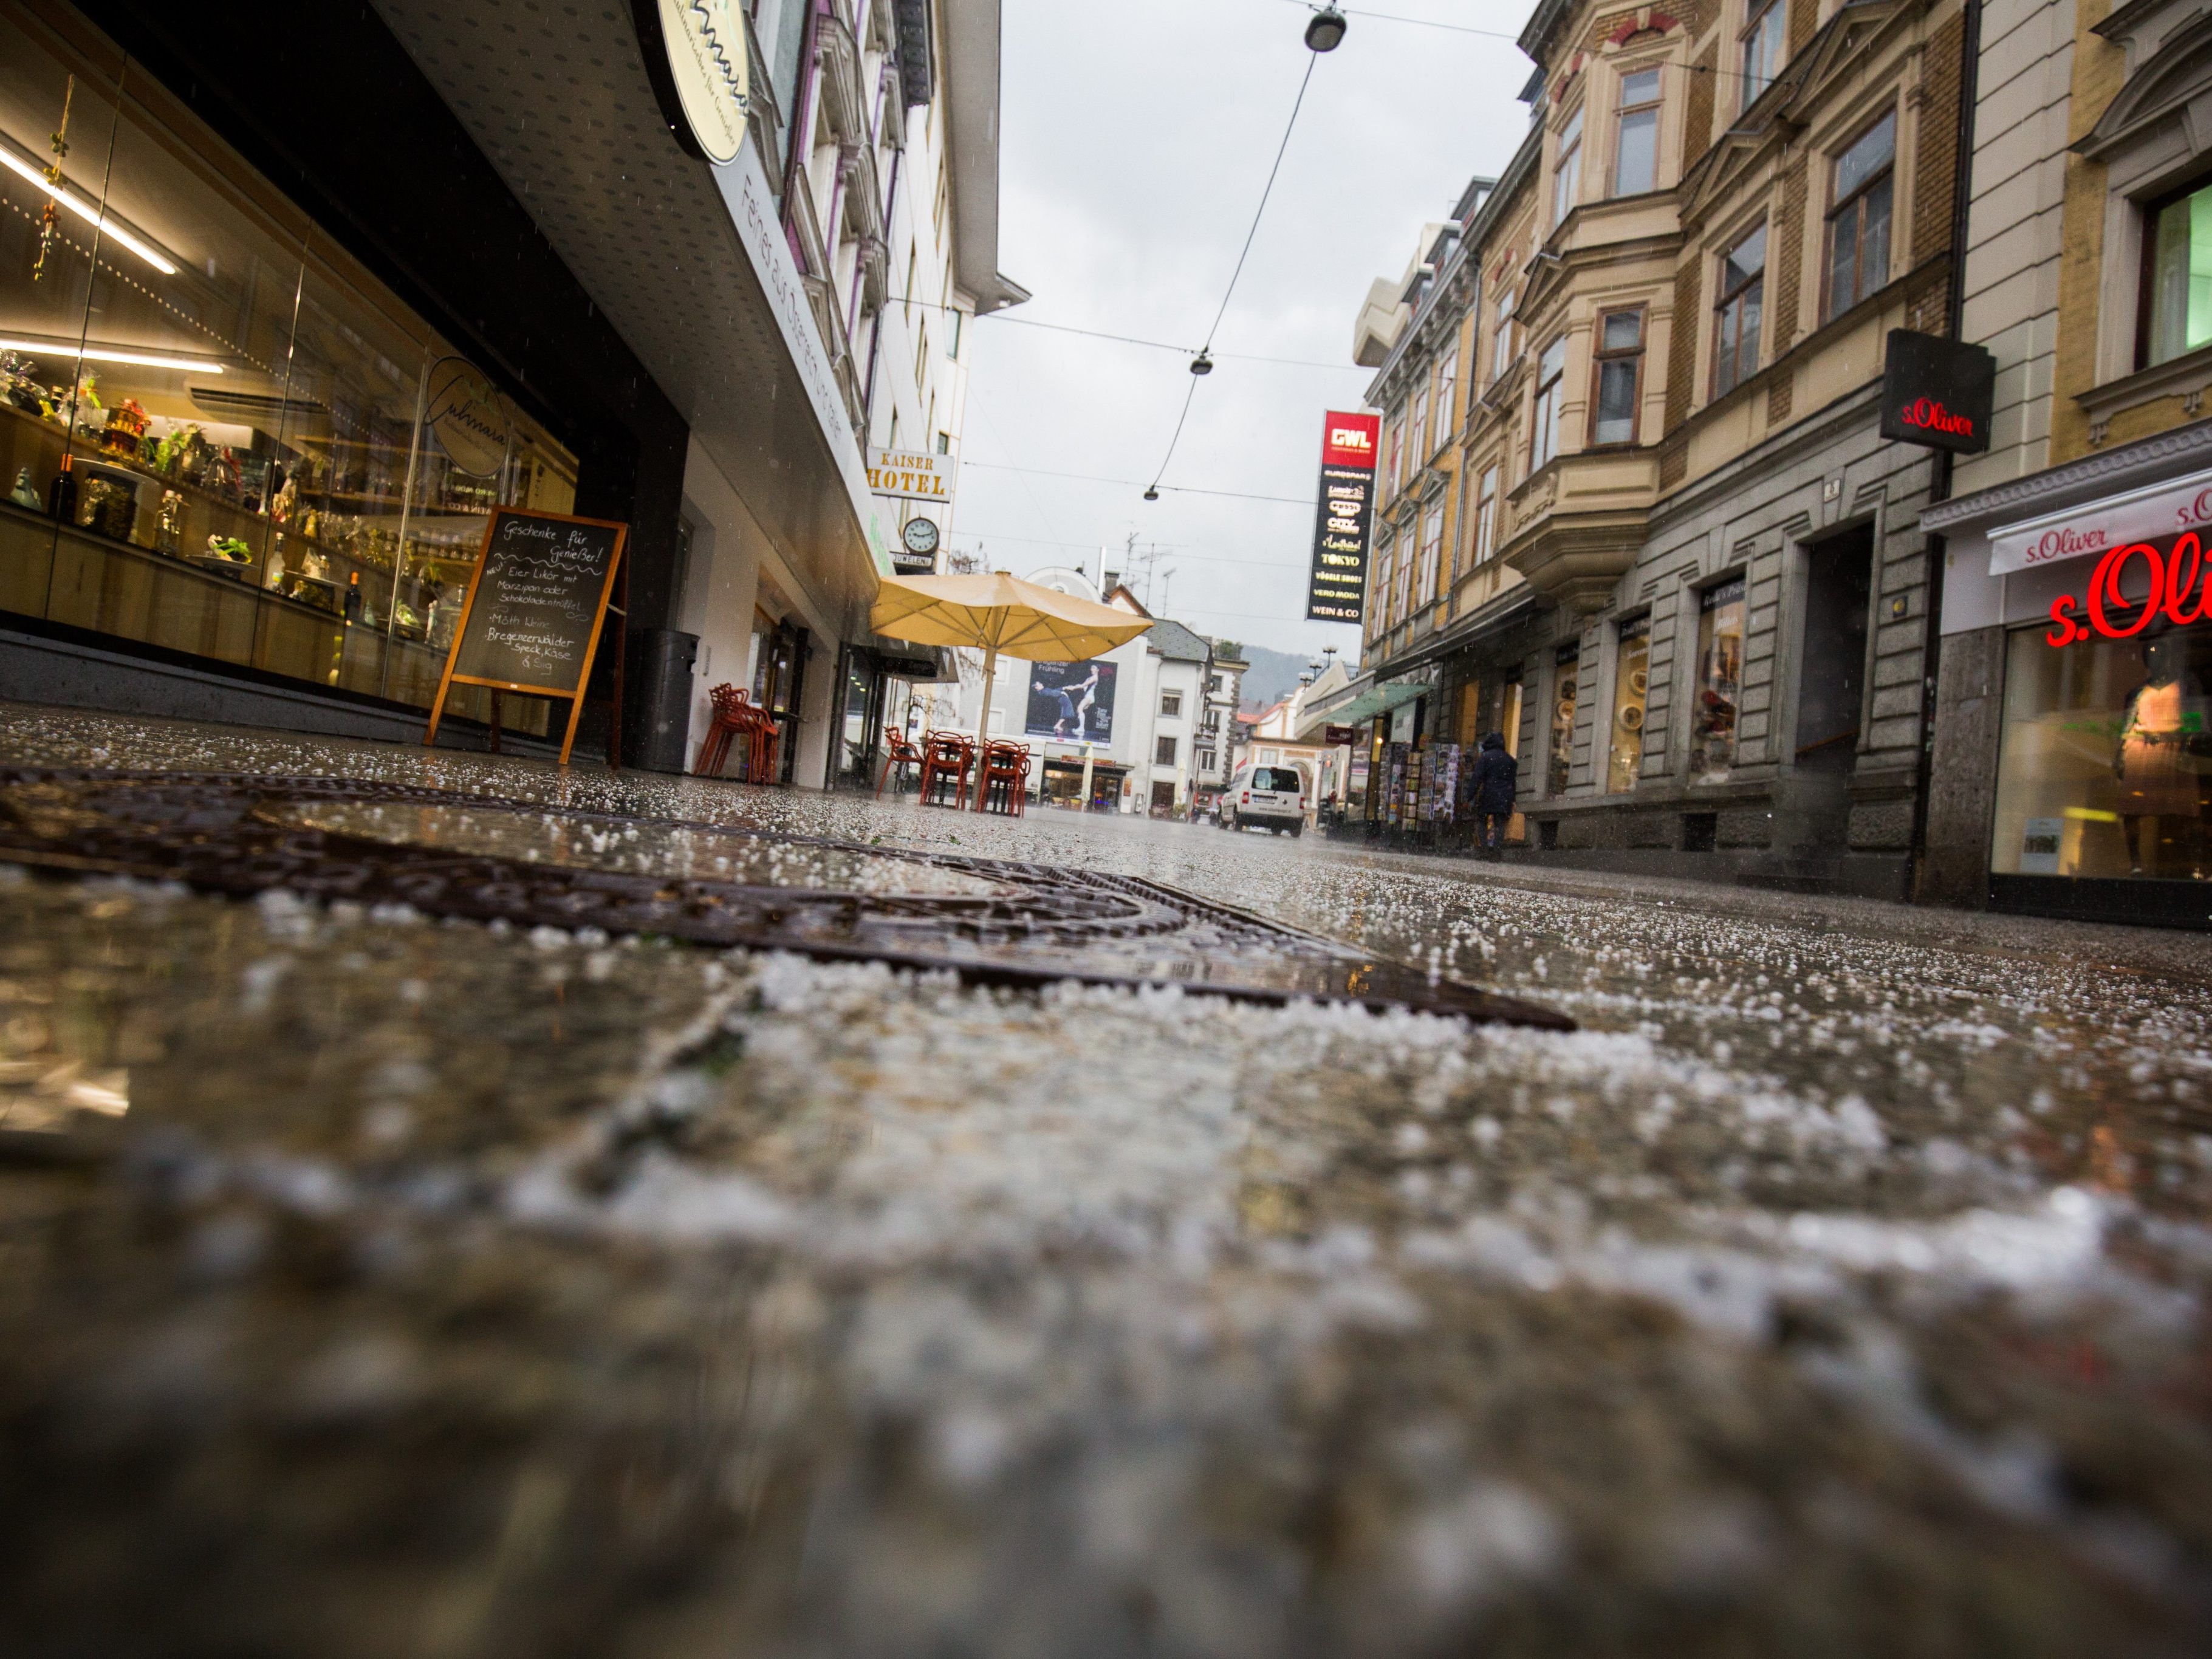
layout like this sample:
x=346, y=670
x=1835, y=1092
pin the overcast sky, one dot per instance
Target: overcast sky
x=1136, y=136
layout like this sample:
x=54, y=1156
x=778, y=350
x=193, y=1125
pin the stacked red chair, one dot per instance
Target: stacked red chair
x=946, y=756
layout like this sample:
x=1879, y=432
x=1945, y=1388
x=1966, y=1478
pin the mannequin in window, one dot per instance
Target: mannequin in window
x=2162, y=735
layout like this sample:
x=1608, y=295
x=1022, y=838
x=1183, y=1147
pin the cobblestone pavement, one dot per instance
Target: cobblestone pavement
x=378, y=1286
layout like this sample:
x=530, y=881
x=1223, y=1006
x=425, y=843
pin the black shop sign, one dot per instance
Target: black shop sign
x=1937, y=393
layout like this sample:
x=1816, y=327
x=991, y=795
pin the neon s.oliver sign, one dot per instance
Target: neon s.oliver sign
x=1937, y=393
x=2174, y=583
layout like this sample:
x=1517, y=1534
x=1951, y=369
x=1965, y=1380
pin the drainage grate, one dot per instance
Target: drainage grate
x=1001, y=923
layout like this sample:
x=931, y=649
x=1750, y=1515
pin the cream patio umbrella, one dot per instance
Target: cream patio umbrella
x=998, y=612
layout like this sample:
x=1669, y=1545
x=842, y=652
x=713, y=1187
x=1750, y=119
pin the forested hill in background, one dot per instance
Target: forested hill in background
x=1273, y=677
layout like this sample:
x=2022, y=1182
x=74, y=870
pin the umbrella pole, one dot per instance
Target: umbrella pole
x=983, y=720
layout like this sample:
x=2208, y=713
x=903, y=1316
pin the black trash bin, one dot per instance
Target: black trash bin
x=657, y=726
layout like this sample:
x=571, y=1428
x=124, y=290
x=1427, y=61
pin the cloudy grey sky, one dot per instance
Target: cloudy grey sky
x=1136, y=136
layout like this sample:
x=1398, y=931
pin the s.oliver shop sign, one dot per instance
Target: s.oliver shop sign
x=2157, y=513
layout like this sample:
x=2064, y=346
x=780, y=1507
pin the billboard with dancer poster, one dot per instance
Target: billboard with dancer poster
x=1072, y=702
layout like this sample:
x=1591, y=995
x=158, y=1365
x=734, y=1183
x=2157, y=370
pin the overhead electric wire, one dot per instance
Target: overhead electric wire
x=1126, y=339
x=1175, y=490
x=1281, y=149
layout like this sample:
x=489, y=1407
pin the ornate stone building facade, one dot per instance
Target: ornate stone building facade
x=1687, y=577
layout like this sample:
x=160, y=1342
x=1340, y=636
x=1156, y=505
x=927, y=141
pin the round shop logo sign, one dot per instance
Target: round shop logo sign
x=919, y=536
x=706, y=42
x=469, y=418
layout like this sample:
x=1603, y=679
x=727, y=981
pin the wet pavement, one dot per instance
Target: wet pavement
x=376, y=1284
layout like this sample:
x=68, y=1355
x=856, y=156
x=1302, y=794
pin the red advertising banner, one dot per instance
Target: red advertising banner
x=1337, y=588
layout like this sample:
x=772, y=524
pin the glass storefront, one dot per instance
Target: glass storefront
x=1566, y=669
x=1720, y=681
x=2106, y=764
x=1631, y=689
x=219, y=435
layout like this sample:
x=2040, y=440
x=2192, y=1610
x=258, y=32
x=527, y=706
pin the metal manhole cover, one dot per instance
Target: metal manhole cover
x=991, y=921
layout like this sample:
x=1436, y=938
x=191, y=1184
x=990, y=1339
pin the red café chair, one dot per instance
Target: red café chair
x=945, y=756
x=733, y=713
x=902, y=755
x=1006, y=764
x=736, y=715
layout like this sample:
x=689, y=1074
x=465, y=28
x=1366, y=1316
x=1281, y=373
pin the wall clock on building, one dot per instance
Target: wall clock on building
x=919, y=536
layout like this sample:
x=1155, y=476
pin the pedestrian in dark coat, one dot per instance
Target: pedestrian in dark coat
x=1496, y=781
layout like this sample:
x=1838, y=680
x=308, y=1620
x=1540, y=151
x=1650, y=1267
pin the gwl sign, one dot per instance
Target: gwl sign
x=1937, y=393
x=2171, y=588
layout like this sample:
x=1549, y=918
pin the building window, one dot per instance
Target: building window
x=1632, y=681
x=1447, y=395
x=1567, y=174
x=1720, y=681
x=1485, y=515
x=1163, y=750
x=1743, y=283
x=952, y=321
x=1172, y=704
x=1417, y=416
x=1636, y=153
x=1859, y=225
x=1619, y=376
x=1432, y=546
x=1205, y=760
x=1565, y=672
x=1762, y=49
x=1501, y=347
x=1403, y=605
x=1544, y=428
x=2178, y=276
x=1397, y=450
x=945, y=443
x=1378, y=607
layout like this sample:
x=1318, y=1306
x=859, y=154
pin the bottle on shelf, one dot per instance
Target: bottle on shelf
x=353, y=598
x=61, y=495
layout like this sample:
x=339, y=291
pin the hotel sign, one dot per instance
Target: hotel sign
x=910, y=474
x=1336, y=589
x=1937, y=393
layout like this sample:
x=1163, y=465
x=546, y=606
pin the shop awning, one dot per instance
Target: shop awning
x=1380, y=700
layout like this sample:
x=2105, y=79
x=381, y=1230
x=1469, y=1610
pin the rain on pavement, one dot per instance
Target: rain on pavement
x=380, y=1285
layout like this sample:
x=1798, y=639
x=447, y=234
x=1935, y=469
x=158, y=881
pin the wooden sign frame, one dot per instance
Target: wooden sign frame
x=618, y=566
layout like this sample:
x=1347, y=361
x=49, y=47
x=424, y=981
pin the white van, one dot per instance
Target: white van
x=1265, y=798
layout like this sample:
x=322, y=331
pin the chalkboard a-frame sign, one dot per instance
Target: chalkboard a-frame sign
x=537, y=599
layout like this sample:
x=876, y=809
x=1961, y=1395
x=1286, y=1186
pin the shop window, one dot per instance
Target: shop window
x=1736, y=337
x=1636, y=148
x=1468, y=731
x=2105, y=768
x=1433, y=544
x=1631, y=684
x=1172, y=704
x=1501, y=342
x=1858, y=224
x=1719, y=692
x=1565, y=677
x=1447, y=395
x=1544, y=426
x=219, y=437
x=1163, y=750
x=2178, y=277
x=1620, y=377
x=1567, y=173
x=1763, y=46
